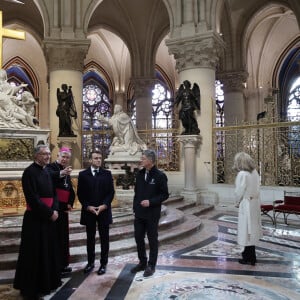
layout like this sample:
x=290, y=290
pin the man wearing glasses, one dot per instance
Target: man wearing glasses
x=38, y=270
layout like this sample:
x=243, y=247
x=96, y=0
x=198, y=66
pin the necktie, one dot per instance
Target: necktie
x=96, y=172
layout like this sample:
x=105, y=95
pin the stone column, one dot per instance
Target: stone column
x=190, y=144
x=234, y=99
x=196, y=60
x=120, y=98
x=143, y=95
x=234, y=114
x=65, y=62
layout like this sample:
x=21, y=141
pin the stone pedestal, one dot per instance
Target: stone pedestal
x=118, y=159
x=16, y=146
x=124, y=164
x=190, y=145
x=66, y=141
x=127, y=163
x=115, y=174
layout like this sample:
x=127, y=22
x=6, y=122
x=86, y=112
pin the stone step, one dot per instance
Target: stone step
x=12, y=225
x=196, y=210
x=173, y=200
x=117, y=232
x=178, y=218
x=188, y=225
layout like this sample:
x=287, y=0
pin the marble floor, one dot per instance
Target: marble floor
x=203, y=265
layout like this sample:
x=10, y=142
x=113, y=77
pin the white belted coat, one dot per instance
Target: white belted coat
x=248, y=196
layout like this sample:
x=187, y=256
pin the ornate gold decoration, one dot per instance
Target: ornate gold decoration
x=11, y=195
x=16, y=149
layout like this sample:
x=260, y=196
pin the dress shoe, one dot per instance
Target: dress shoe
x=88, y=268
x=245, y=262
x=139, y=267
x=101, y=270
x=66, y=270
x=149, y=271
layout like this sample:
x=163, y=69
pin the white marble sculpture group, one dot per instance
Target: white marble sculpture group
x=15, y=113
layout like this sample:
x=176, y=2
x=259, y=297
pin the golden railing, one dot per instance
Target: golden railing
x=274, y=146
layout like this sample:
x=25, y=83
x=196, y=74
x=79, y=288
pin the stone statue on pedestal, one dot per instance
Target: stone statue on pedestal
x=126, y=138
x=13, y=112
x=190, y=101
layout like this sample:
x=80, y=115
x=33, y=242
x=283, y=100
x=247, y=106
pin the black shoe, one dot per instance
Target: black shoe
x=66, y=270
x=245, y=262
x=88, y=268
x=149, y=271
x=139, y=267
x=101, y=270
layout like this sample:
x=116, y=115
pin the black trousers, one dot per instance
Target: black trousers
x=249, y=254
x=63, y=237
x=91, y=222
x=141, y=228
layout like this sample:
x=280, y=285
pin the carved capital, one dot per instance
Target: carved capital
x=143, y=86
x=202, y=51
x=233, y=81
x=190, y=141
x=66, y=54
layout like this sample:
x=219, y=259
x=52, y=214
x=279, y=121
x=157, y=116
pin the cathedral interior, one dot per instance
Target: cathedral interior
x=244, y=57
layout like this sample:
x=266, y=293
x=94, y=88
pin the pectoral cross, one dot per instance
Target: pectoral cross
x=9, y=33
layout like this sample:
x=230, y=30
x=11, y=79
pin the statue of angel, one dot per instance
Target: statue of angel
x=190, y=101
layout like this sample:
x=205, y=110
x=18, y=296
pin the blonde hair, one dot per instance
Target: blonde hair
x=243, y=162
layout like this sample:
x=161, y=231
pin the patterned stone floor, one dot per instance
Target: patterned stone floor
x=201, y=266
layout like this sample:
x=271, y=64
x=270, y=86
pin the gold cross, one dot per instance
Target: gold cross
x=14, y=34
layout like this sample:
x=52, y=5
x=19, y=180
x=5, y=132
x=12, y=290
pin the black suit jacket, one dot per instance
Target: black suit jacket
x=94, y=191
x=155, y=190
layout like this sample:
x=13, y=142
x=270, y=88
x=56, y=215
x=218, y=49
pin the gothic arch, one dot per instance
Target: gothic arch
x=262, y=14
x=93, y=66
x=17, y=61
x=45, y=16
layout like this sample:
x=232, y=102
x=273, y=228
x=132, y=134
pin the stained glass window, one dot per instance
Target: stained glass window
x=96, y=135
x=293, y=114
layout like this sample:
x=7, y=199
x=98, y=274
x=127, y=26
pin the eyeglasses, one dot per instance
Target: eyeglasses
x=44, y=154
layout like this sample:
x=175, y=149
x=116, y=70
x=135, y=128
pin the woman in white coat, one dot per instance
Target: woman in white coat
x=247, y=195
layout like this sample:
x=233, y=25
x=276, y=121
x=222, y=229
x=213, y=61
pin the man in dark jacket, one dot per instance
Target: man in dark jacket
x=66, y=196
x=95, y=192
x=151, y=190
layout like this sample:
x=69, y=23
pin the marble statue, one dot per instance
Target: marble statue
x=190, y=101
x=126, y=138
x=28, y=103
x=12, y=112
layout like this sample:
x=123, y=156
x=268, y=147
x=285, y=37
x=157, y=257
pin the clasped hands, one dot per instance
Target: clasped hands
x=145, y=203
x=96, y=210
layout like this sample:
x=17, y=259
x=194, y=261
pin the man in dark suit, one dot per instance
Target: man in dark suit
x=95, y=192
x=151, y=189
